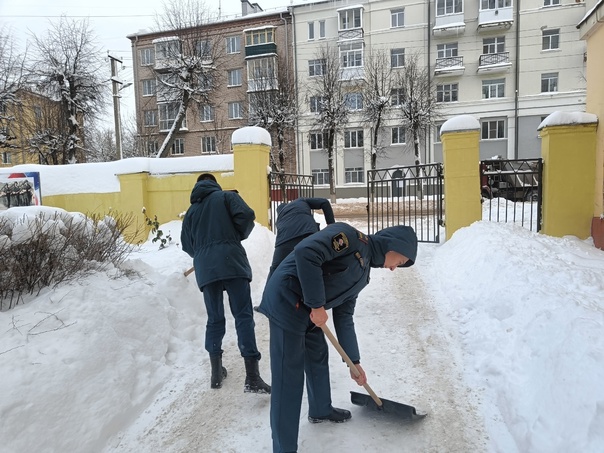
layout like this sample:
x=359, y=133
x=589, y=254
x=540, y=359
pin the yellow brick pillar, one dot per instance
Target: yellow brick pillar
x=568, y=148
x=133, y=198
x=251, y=150
x=461, y=159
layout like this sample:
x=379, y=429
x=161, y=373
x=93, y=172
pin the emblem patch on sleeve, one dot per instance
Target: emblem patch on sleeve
x=339, y=242
x=362, y=237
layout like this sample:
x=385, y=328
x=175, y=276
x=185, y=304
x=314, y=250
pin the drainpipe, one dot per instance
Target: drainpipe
x=300, y=163
x=429, y=40
x=516, y=81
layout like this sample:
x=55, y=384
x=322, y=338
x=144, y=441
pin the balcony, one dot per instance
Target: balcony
x=449, y=66
x=347, y=35
x=494, y=62
x=495, y=19
x=449, y=24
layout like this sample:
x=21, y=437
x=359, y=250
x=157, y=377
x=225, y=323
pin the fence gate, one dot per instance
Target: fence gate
x=511, y=191
x=285, y=187
x=410, y=196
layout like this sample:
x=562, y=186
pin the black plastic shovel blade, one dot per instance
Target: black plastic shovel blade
x=399, y=410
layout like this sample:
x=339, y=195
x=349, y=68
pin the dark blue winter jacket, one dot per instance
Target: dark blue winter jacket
x=295, y=219
x=212, y=230
x=329, y=269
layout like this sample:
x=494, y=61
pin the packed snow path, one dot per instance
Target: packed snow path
x=408, y=354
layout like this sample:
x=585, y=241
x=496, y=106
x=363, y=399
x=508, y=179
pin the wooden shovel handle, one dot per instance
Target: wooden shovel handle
x=326, y=330
x=189, y=271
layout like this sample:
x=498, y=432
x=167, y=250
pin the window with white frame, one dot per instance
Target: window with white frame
x=353, y=138
x=492, y=129
x=147, y=57
x=233, y=44
x=317, y=141
x=207, y=113
x=396, y=96
x=234, y=77
x=260, y=36
x=149, y=118
x=167, y=115
x=551, y=2
x=397, y=58
x=208, y=145
x=447, y=50
x=353, y=175
x=551, y=39
x=398, y=135
x=351, y=55
x=152, y=148
x=493, y=88
x=203, y=47
x=311, y=31
x=354, y=101
x=316, y=67
x=444, y=7
x=149, y=87
x=38, y=112
x=167, y=49
x=6, y=157
x=350, y=19
x=205, y=82
x=549, y=82
x=321, y=29
x=397, y=18
x=316, y=104
x=261, y=69
x=235, y=110
x=178, y=147
x=320, y=176
x=493, y=45
x=437, y=128
x=494, y=4
x=446, y=92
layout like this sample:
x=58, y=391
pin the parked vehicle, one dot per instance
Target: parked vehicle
x=514, y=180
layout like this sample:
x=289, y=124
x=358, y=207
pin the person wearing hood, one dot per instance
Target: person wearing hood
x=212, y=230
x=326, y=271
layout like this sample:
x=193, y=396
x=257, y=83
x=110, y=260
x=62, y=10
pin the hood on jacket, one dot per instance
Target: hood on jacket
x=202, y=189
x=280, y=207
x=401, y=239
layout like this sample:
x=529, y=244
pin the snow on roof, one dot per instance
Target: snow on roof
x=564, y=118
x=350, y=7
x=165, y=39
x=251, y=135
x=451, y=25
x=460, y=123
x=590, y=12
x=264, y=27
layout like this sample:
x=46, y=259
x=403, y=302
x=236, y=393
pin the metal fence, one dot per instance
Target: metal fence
x=410, y=196
x=285, y=187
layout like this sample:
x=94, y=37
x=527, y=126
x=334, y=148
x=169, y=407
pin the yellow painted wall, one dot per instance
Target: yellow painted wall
x=251, y=165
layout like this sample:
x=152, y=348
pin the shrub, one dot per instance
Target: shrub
x=164, y=241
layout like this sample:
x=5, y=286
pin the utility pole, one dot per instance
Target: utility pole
x=116, y=82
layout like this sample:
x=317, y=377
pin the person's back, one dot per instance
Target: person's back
x=295, y=219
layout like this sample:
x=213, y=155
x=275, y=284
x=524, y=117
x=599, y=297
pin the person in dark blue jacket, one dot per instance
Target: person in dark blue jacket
x=326, y=271
x=212, y=230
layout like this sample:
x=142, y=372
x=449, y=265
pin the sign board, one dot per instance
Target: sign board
x=20, y=189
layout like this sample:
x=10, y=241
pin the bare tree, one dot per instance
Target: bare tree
x=327, y=94
x=273, y=107
x=68, y=66
x=100, y=144
x=11, y=81
x=186, y=62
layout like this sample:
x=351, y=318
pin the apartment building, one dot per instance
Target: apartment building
x=250, y=49
x=506, y=64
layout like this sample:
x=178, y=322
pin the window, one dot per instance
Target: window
x=351, y=55
x=437, y=128
x=317, y=141
x=350, y=18
x=207, y=113
x=353, y=174
x=203, y=48
x=311, y=31
x=444, y=7
x=149, y=87
x=549, y=82
x=396, y=96
x=551, y=39
x=147, y=57
x=152, y=148
x=316, y=104
x=398, y=135
x=167, y=49
x=178, y=147
x=261, y=69
x=260, y=36
x=354, y=101
x=316, y=67
x=397, y=18
x=447, y=50
x=494, y=4
x=492, y=129
x=551, y=2
x=6, y=157
x=493, y=45
x=320, y=176
x=233, y=44
x=167, y=115
x=493, y=88
x=234, y=77
x=353, y=139
x=321, y=29
x=397, y=58
x=205, y=82
x=38, y=112
x=446, y=92
x=208, y=145
x=235, y=110
x=150, y=118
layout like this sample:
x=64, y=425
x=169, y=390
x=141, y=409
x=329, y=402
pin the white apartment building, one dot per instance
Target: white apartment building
x=507, y=63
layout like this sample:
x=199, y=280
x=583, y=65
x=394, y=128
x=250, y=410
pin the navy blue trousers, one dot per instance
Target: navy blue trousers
x=240, y=302
x=292, y=356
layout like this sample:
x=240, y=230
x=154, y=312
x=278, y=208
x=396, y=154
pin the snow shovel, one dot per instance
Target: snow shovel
x=372, y=401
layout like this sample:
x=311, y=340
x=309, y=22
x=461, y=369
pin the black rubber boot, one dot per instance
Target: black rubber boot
x=218, y=372
x=253, y=381
x=336, y=416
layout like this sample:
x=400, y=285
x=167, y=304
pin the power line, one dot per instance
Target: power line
x=46, y=16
